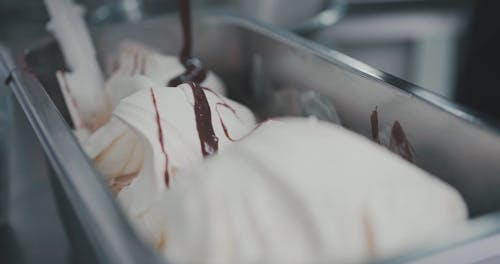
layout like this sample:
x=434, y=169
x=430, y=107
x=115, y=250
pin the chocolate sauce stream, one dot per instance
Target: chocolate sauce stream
x=224, y=128
x=399, y=142
x=208, y=140
x=223, y=103
x=160, y=137
x=185, y=16
x=194, y=70
x=374, y=126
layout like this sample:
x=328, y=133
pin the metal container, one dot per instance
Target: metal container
x=303, y=17
x=256, y=62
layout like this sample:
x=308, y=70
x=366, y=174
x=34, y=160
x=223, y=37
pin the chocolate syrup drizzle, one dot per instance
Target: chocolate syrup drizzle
x=224, y=128
x=208, y=140
x=160, y=137
x=398, y=143
x=374, y=125
x=224, y=104
x=194, y=70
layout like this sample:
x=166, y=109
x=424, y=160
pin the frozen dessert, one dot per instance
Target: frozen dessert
x=135, y=60
x=203, y=183
x=177, y=128
x=303, y=191
x=116, y=150
x=84, y=81
x=117, y=153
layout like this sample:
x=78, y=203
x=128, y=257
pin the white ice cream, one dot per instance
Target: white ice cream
x=180, y=136
x=135, y=60
x=294, y=190
x=82, y=87
x=116, y=150
x=298, y=191
x=117, y=153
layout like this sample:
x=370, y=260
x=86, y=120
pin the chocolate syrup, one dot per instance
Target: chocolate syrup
x=374, y=126
x=208, y=140
x=160, y=137
x=226, y=105
x=194, y=70
x=399, y=142
x=224, y=128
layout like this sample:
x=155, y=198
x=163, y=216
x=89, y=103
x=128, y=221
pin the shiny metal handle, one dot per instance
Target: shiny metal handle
x=326, y=18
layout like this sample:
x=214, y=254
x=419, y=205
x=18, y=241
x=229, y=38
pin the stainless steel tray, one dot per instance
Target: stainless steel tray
x=253, y=60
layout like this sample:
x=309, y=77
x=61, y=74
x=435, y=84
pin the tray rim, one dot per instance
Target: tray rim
x=483, y=227
x=355, y=66
x=103, y=222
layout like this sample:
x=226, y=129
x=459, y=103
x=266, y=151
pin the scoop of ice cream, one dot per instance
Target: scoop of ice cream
x=82, y=87
x=177, y=127
x=134, y=60
x=116, y=150
x=300, y=191
x=117, y=153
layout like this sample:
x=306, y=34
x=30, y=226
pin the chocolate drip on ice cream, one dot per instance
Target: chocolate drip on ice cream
x=224, y=127
x=194, y=70
x=224, y=104
x=160, y=137
x=208, y=140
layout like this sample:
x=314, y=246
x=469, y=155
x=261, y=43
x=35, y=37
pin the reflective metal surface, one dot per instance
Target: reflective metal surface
x=449, y=142
x=97, y=230
x=302, y=17
x=30, y=228
x=418, y=41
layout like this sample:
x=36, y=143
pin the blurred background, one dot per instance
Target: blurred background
x=446, y=46
x=450, y=47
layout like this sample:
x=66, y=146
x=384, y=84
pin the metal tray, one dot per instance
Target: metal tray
x=254, y=60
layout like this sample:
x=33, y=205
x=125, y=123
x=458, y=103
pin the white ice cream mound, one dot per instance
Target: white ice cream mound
x=180, y=146
x=134, y=59
x=301, y=191
x=293, y=190
x=115, y=148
